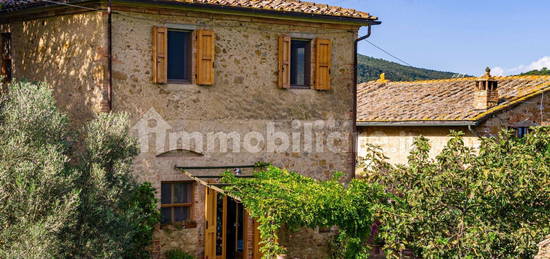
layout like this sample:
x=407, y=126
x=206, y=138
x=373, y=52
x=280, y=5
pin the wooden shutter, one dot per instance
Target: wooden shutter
x=323, y=54
x=160, y=55
x=205, y=57
x=210, y=230
x=284, y=61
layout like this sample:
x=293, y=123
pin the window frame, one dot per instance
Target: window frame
x=189, y=204
x=190, y=60
x=308, y=63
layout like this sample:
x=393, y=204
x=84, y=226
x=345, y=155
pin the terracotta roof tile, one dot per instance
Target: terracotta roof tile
x=294, y=6
x=437, y=100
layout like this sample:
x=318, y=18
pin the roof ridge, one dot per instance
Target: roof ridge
x=463, y=79
x=280, y=6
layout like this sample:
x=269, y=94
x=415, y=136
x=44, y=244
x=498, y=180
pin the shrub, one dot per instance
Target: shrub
x=492, y=203
x=65, y=194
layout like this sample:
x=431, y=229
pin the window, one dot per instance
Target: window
x=5, y=55
x=521, y=131
x=179, y=56
x=300, y=63
x=176, y=201
x=183, y=56
x=304, y=63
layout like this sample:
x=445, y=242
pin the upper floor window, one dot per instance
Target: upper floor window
x=5, y=55
x=183, y=56
x=179, y=56
x=300, y=63
x=176, y=201
x=304, y=63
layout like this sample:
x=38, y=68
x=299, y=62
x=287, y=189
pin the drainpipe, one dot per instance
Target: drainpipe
x=354, y=138
x=109, y=56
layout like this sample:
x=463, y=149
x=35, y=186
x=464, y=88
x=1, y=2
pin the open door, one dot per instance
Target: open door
x=210, y=231
x=227, y=228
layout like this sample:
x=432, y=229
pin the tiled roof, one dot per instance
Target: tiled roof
x=283, y=6
x=439, y=100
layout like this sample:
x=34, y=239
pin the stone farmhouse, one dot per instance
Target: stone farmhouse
x=392, y=114
x=209, y=85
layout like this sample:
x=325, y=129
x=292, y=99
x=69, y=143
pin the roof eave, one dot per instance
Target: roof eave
x=211, y=8
x=430, y=123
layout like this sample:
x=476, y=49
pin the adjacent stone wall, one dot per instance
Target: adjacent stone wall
x=244, y=99
x=396, y=142
x=528, y=111
x=68, y=52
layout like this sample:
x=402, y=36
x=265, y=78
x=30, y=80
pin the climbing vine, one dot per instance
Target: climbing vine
x=490, y=202
x=277, y=197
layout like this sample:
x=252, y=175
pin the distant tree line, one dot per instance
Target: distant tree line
x=370, y=69
x=543, y=71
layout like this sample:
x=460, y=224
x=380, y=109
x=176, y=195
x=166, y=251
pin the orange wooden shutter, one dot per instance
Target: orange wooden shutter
x=205, y=57
x=210, y=231
x=160, y=54
x=323, y=54
x=284, y=61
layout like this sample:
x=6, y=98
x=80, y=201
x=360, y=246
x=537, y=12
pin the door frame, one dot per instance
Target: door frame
x=211, y=229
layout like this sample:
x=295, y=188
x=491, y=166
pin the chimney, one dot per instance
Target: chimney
x=486, y=91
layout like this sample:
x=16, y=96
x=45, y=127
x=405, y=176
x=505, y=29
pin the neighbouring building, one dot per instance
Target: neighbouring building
x=392, y=114
x=209, y=85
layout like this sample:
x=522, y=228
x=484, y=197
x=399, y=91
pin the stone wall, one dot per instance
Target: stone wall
x=529, y=110
x=244, y=99
x=544, y=249
x=68, y=52
x=396, y=142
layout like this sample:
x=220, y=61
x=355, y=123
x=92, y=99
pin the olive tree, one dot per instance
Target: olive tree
x=65, y=193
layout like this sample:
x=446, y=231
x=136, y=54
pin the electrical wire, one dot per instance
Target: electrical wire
x=387, y=52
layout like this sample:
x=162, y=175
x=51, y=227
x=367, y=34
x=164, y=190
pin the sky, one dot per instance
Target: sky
x=461, y=36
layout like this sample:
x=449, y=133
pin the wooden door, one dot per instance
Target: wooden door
x=210, y=231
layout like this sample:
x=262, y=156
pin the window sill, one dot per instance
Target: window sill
x=300, y=87
x=179, y=82
x=180, y=225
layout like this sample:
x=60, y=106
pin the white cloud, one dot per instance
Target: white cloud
x=497, y=71
x=541, y=63
x=538, y=64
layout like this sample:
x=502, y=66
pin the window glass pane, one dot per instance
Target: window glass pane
x=179, y=58
x=166, y=215
x=181, y=213
x=181, y=192
x=299, y=63
x=165, y=193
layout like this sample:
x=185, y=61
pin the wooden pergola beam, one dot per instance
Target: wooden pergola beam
x=213, y=186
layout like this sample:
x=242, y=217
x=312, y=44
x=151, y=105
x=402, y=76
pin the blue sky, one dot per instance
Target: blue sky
x=462, y=36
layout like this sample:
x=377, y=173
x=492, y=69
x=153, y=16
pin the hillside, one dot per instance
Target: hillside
x=542, y=72
x=370, y=69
